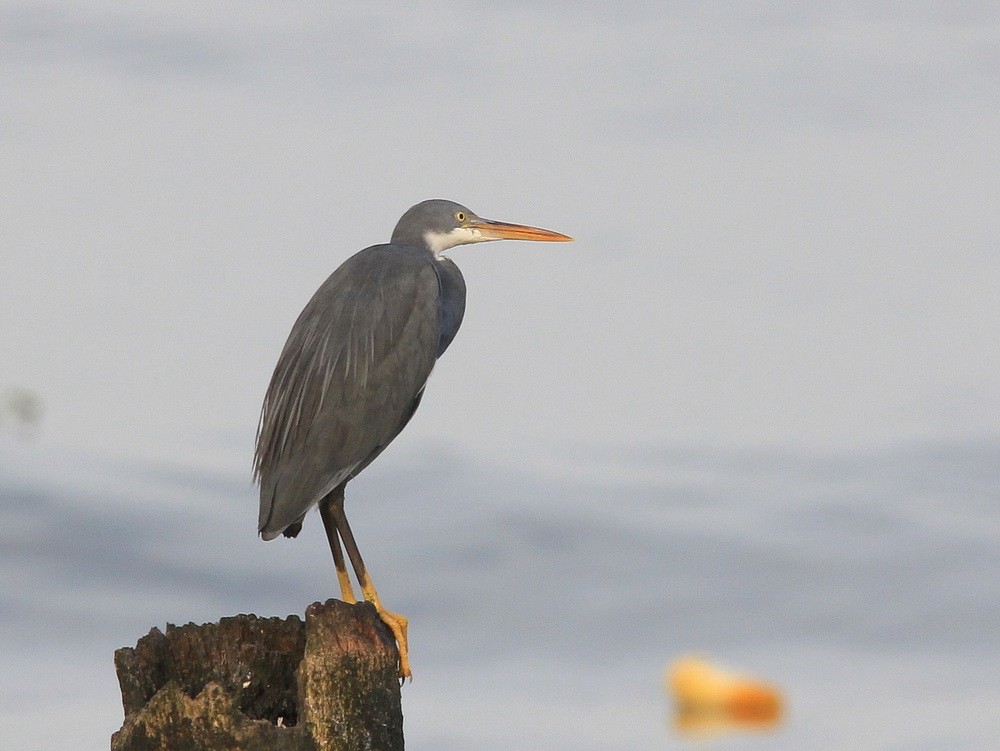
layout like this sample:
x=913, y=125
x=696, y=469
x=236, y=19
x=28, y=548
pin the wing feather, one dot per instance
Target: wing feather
x=347, y=379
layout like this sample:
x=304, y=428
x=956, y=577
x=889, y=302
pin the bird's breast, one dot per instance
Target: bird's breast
x=451, y=287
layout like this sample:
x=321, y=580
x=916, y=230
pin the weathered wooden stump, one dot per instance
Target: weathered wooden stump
x=257, y=684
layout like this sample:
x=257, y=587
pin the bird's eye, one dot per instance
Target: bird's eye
x=460, y=216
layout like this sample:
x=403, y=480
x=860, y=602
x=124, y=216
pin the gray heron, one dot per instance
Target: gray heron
x=353, y=371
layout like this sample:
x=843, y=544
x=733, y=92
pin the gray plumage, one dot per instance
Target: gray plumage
x=352, y=374
x=354, y=367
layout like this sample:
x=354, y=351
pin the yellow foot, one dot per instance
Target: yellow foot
x=397, y=624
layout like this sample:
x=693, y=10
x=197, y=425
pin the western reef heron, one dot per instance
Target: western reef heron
x=353, y=371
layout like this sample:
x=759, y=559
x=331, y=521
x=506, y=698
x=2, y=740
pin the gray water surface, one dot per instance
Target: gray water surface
x=545, y=607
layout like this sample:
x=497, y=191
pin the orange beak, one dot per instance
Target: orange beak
x=506, y=231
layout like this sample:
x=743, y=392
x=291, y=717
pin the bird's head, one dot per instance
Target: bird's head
x=438, y=225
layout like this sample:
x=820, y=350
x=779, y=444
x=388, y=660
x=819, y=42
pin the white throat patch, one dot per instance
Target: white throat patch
x=439, y=242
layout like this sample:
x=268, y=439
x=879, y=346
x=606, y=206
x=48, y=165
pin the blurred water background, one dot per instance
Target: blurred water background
x=545, y=606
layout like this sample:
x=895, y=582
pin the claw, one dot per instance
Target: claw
x=397, y=624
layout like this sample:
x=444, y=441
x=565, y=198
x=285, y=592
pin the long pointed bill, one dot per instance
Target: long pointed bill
x=506, y=231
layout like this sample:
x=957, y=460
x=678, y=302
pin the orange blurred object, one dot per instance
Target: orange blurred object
x=709, y=698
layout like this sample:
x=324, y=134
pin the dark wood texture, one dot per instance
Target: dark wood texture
x=257, y=684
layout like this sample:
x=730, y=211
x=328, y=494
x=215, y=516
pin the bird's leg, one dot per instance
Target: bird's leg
x=396, y=622
x=330, y=524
